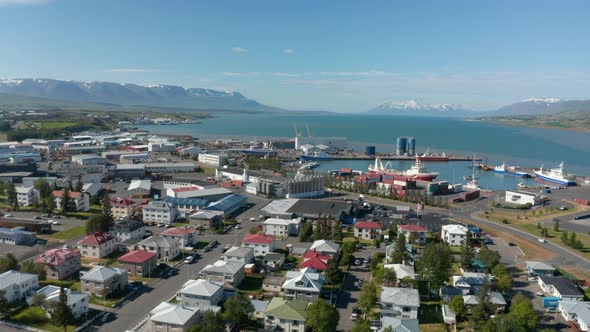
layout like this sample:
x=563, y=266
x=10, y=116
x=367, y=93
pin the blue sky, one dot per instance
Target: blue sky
x=319, y=55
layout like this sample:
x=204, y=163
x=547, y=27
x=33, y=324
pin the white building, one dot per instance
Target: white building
x=200, y=293
x=167, y=248
x=139, y=188
x=261, y=244
x=281, y=227
x=561, y=287
x=223, y=271
x=18, y=285
x=402, y=271
x=78, y=302
x=400, y=302
x=159, y=212
x=183, y=192
x=239, y=255
x=213, y=159
x=161, y=147
x=190, y=151
x=81, y=200
x=522, y=198
x=88, y=159
x=170, y=317
x=26, y=196
x=577, y=312
x=454, y=235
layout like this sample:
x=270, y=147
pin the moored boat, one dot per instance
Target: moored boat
x=556, y=175
x=510, y=170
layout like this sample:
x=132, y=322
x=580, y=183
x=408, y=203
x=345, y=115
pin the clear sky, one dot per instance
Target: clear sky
x=318, y=55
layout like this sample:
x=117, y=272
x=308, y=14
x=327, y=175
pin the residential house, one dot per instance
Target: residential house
x=206, y=219
x=286, y=315
x=81, y=200
x=325, y=247
x=127, y=228
x=186, y=237
x=170, y=317
x=535, y=268
x=390, y=249
x=76, y=301
x=200, y=293
x=367, y=230
x=26, y=196
x=454, y=235
x=139, y=263
x=399, y=325
x=315, y=260
x=496, y=299
x=273, y=260
x=273, y=284
x=471, y=282
x=402, y=271
x=419, y=232
x=18, y=285
x=166, y=248
x=17, y=236
x=230, y=272
x=239, y=255
x=305, y=285
x=259, y=308
x=159, y=212
x=400, y=302
x=104, y=281
x=122, y=207
x=139, y=188
x=560, y=287
x=261, y=244
x=577, y=312
x=97, y=245
x=60, y=263
x=281, y=228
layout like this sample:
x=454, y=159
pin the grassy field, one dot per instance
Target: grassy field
x=35, y=316
x=433, y=328
x=56, y=125
x=69, y=233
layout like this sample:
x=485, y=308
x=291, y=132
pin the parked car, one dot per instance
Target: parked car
x=539, y=293
x=8, y=215
x=551, y=310
x=358, y=261
x=161, y=224
x=542, y=240
x=188, y=260
x=532, y=278
x=38, y=218
x=227, y=247
x=206, y=249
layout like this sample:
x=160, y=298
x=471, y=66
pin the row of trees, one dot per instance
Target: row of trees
x=103, y=221
x=570, y=239
x=9, y=262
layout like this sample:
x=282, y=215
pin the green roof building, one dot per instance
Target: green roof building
x=287, y=315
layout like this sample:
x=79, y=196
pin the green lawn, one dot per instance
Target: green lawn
x=110, y=302
x=56, y=125
x=251, y=284
x=36, y=317
x=69, y=233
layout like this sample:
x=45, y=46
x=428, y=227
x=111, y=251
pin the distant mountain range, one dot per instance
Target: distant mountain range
x=543, y=106
x=131, y=94
x=416, y=108
x=532, y=106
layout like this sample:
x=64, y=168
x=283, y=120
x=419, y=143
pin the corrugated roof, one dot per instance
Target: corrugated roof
x=137, y=256
x=287, y=309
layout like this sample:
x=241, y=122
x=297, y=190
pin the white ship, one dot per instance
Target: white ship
x=556, y=175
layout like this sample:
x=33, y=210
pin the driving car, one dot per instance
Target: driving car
x=542, y=240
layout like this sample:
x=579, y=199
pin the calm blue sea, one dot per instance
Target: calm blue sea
x=527, y=147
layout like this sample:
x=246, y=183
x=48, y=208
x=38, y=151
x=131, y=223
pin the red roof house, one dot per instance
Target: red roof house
x=315, y=260
x=261, y=244
x=118, y=201
x=97, y=245
x=418, y=231
x=137, y=256
x=367, y=230
x=60, y=263
x=258, y=238
x=186, y=237
x=367, y=224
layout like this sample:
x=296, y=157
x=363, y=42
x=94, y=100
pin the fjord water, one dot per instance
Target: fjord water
x=526, y=147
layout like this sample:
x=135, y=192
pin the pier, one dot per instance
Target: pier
x=394, y=157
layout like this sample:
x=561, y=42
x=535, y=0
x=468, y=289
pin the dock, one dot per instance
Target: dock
x=393, y=157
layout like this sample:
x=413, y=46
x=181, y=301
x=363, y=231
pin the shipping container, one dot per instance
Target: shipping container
x=582, y=201
x=471, y=195
x=400, y=183
x=346, y=170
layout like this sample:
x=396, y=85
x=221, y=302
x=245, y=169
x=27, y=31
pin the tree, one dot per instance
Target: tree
x=211, y=322
x=60, y=313
x=399, y=250
x=458, y=306
x=4, y=305
x=11, y=196
x=79, y=184
x=66, y=202
x=556, y=225
x=481, y=312
x=361, y=325
x=43, y=188
x=389, y=278
x=337, y=232
x=8, y=263
x=467, y=253
x=322, y=316
x=435, y=264
x=2, y=188
x=489, y=257
x=49, y=203
x=38, y=300
x=413, y=237
x=503, y=278
x=306, y=231
x=333, y=274
x=237, y=309
x=368, y=297
x=523, y=312
x=31, y=267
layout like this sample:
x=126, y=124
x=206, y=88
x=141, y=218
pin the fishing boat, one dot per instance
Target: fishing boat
x=510, y=170
x=316, y=156
x=417, y=172
x=556, y=175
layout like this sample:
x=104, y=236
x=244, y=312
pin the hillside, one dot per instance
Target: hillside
x=131, y=94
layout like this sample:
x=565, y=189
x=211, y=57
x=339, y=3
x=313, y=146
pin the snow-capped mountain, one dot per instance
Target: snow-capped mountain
x=414, y=107
x=130, y=94
x=543, y=106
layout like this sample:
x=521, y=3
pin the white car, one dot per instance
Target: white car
x=55, y=222
x=188, y=260
x=8, y=215
x=542, y=240
x=533, y=278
